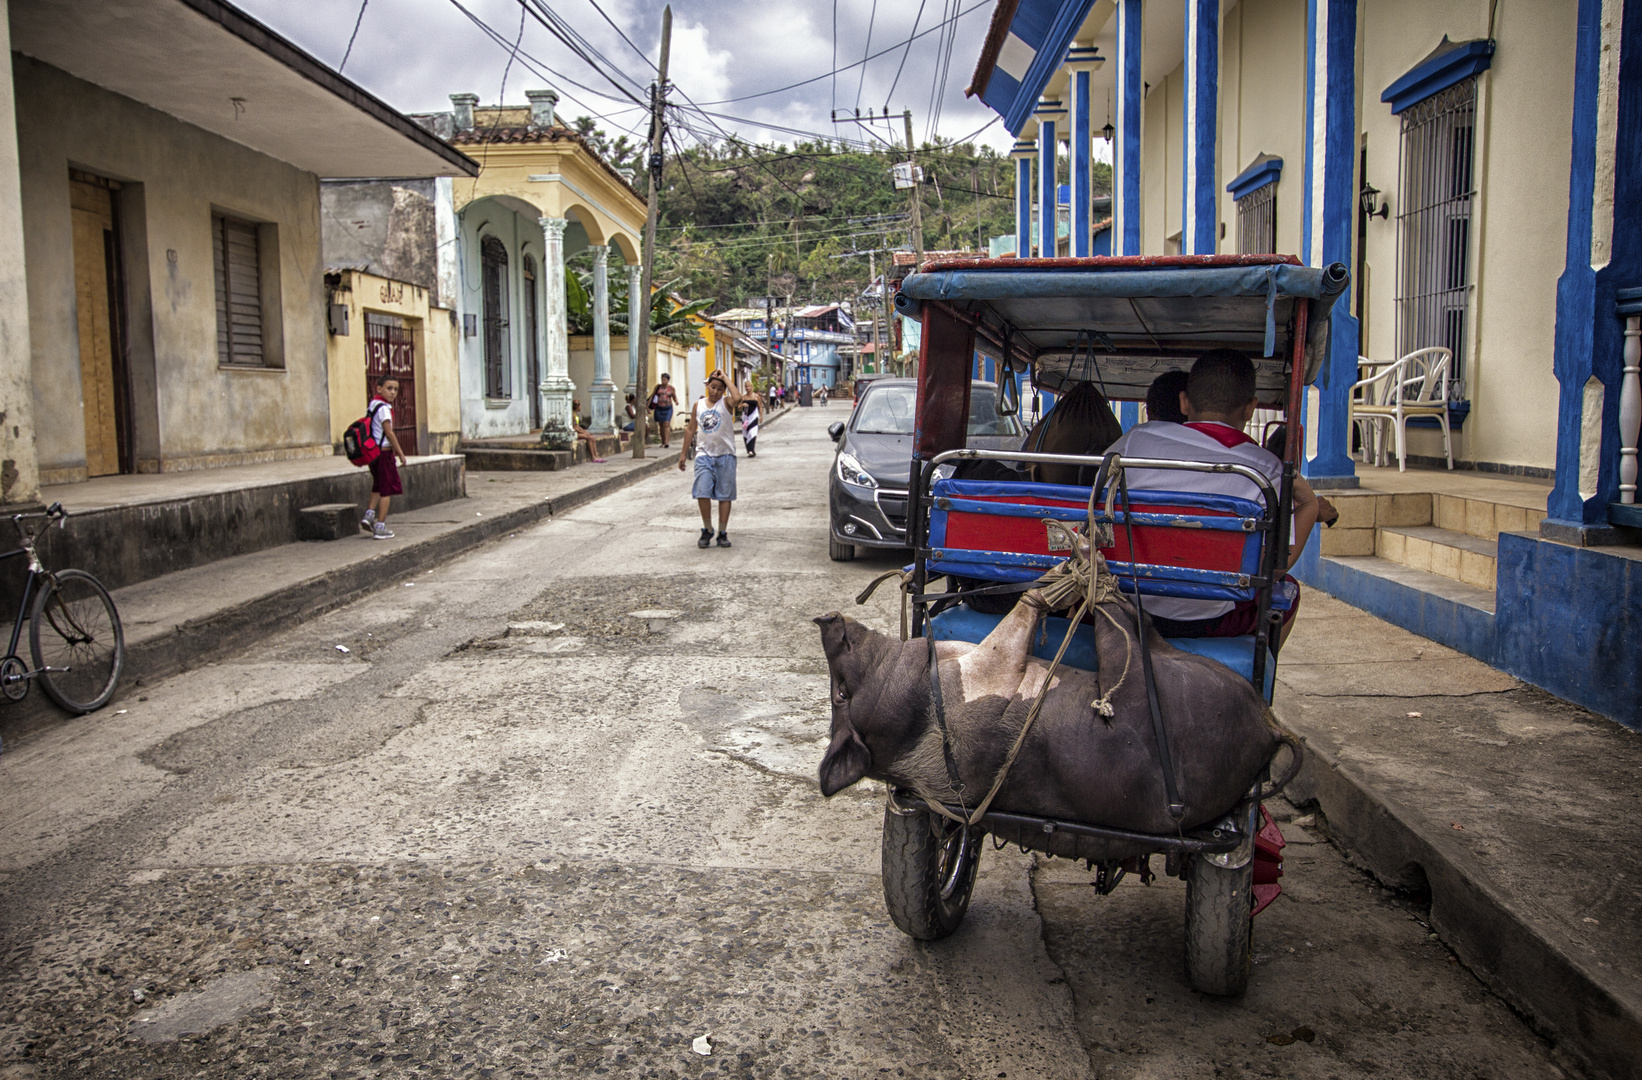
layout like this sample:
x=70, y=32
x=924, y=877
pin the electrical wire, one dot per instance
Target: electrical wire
x=859, y=86
x=642, y=54
x=353, y=36
x=902, y=66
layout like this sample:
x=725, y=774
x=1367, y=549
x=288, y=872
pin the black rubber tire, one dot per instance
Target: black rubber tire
x=839, y=552
x=1219, y=927
x=928, y=878
x=76, y=625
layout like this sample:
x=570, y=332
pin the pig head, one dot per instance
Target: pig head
x=1075, y=764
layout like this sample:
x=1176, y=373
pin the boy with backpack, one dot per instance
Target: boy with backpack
x=384, y=472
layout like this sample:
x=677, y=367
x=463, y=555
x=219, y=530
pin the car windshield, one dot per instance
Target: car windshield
x=889, y=410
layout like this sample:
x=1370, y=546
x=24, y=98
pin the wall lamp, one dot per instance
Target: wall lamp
x=1368, y=197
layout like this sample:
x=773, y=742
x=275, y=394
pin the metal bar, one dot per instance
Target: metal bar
x=1266, y=492
x=1227, y=840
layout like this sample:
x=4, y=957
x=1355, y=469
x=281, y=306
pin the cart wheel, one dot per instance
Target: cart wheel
x=1219, y=924
x=929, y=866
x=839, y=552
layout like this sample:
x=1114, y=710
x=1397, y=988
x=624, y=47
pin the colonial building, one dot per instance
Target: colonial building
x=1477, y=167
x=163, y=304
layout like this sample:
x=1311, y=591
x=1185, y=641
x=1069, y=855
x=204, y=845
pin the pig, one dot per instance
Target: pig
x=1076, y=765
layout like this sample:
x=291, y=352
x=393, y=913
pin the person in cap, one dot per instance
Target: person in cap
x=711, y=430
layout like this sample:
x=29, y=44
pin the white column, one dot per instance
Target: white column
x=1630, y=409
x=556, y=387
x=603, y=392
x=636, y=312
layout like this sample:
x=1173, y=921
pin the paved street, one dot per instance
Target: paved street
x=554, y=813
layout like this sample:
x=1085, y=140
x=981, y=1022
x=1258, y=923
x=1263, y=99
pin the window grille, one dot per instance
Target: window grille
x=493, y=262
x=1434, y=226
x=236, y=261
x=1257, y=221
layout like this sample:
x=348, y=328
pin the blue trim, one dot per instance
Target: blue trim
x=1051, y=51
x=1203, y=84
x=1048, y=155
x=1131, y=12
x=1212, y=281
x=1082, y=163
x=1437, y=73
x=1265, y=170
x=1023, y=207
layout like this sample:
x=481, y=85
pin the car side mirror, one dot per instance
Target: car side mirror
x=836, y=430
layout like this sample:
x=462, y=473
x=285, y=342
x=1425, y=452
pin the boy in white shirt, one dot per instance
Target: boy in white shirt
x=1219, y=400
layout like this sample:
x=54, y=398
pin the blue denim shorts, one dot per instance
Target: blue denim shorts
x=715, y=478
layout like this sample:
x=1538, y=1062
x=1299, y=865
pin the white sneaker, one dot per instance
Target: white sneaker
x=381, y=532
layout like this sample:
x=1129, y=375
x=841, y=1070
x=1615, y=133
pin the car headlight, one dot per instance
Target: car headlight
x=851, y=472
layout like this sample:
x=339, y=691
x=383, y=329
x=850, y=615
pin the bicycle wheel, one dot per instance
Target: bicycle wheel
x=77, y=641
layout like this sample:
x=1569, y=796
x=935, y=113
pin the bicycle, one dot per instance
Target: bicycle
x=75, y=636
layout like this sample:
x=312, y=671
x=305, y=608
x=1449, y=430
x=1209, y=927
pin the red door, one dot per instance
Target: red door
x=390, y=349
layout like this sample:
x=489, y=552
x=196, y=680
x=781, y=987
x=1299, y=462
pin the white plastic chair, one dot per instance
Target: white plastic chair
x=1416, y=385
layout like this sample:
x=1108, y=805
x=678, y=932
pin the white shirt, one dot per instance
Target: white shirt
x=381, y=417
x=715, y=427
x=1176, y=442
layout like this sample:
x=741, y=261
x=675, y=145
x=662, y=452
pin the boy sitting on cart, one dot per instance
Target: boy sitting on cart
x=1219, y=400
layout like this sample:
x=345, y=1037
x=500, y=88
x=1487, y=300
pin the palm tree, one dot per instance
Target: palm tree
x=670, y=314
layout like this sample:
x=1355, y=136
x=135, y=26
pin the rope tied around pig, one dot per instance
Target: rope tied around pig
x=1082, y=579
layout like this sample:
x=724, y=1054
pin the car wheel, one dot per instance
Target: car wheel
x=839, y=552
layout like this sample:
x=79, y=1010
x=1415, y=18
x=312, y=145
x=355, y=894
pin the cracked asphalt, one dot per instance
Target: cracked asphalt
x=554, y=813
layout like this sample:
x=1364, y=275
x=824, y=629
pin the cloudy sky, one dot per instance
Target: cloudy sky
x=415, y=53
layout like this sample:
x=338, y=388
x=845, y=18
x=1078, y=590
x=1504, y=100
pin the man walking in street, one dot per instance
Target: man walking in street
x=711, y=429
x=385, y=483
x=662, y=400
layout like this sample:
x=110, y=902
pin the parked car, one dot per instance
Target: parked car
x=867, y=488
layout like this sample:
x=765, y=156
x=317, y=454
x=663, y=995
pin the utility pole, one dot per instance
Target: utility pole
x=917, y=197
x=658, y=108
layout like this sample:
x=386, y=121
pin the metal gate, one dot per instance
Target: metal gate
x=390, y=349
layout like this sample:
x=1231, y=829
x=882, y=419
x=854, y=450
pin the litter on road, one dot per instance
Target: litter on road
x=702, y=1045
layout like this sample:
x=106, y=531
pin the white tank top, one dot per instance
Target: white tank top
x=715, y=428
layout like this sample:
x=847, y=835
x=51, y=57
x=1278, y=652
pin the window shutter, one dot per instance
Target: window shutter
x=239, y=292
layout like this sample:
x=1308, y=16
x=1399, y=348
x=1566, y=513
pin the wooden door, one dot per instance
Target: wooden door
x=390, y=349
x=96, y=295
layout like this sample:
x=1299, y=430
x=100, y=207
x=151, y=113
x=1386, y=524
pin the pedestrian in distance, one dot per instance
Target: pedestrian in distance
x=579, y=426
x=711, y=430
x=821, y=393
x=385, y=483
x=749, y=421
x=662, y=400
x=632, y=414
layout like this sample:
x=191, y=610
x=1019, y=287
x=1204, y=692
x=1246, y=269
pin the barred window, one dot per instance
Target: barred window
x=237, y=263
x=1257, y=221
x=1434, y=225
x=493, y=281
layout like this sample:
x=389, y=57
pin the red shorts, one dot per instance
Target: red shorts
x=385, y=475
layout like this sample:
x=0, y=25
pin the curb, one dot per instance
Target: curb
x=237, y=627
x=1564, y=998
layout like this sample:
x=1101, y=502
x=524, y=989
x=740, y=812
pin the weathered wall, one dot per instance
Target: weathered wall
x=19, y=467
x=1519, y=225
x=438, y=398
x=387, y=227
x=1263, y=108
x=206, y=415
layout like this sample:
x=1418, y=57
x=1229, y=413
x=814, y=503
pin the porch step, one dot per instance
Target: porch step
x=1458, y=615
x=1458, y=556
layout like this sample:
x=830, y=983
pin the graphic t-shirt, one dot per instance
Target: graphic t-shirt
x=715, y=427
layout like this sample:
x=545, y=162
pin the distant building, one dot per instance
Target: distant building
x=808, y=340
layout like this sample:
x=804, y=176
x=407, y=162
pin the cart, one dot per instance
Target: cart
x=1120, y=322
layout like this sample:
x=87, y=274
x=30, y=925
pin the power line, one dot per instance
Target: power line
x=353, y=36
x=859, y=86
x=902, y=67
x=642, y=54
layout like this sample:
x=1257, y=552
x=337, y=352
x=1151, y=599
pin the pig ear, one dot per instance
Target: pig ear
x=847, y=760
x=834, y=640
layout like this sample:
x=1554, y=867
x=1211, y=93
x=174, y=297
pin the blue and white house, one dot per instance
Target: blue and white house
x=1479, y=168
x=809, y=339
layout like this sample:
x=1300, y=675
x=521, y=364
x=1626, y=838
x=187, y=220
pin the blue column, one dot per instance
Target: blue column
x=1049, y=116
x=1603, y=176
x=1023, y=153
x=1126, y=143
x=1202, y=68
x=1082, y=63
x=1330, y=211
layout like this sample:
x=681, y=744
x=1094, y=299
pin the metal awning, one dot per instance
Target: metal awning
x=211, y=65
x=1121, y=322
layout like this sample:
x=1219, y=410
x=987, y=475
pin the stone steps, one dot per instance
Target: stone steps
x=1454, y=555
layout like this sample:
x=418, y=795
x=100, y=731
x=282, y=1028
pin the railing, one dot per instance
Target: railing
x=1630, y=405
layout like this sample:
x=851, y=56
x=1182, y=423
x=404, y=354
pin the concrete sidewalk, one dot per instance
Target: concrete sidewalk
x=1518, y=811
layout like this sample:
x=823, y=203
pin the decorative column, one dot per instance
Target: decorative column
x=1328, y=221
x=1126, y=143
x=556, y=387
x=1049, y=115
x=1081, y=64
x=602, y=393
x=636, y=312
x=1024, y=151
x=1630, y=395
x=1202, y=92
